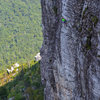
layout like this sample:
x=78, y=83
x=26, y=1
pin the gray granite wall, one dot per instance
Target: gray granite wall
x=70, y=65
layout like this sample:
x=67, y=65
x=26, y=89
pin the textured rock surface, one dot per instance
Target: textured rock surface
x=70, y=65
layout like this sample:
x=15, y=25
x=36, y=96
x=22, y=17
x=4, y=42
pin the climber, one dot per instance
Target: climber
x=64, y=20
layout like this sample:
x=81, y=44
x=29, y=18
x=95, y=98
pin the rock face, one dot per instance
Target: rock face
x=37, y=57
x=70, y=64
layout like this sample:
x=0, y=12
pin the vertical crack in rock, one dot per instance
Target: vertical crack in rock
x=70, y=65
x=50, y=51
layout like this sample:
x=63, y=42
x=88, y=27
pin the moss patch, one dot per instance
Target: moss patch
x=83, y=16
x=55, y=9
x=88, y=43
x=85, y=11
x=94, y=20
x=80, y=29
x=89, y=29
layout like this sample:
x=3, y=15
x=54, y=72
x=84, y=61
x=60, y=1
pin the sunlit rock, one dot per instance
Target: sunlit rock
x=37, y=57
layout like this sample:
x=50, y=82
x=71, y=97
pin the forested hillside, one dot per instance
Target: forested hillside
x=22, y=85
x=20, y=31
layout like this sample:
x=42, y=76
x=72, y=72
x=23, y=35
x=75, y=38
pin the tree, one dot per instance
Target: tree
x=3, y=92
